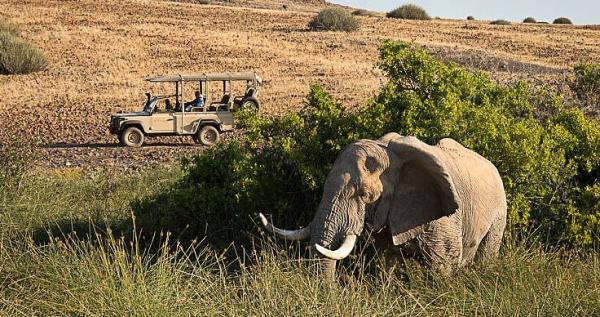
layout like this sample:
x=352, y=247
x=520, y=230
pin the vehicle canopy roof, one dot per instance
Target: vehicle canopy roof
x=206, y=77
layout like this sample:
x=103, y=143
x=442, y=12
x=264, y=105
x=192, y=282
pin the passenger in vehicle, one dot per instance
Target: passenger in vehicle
x=168, y=105
x=196, y=103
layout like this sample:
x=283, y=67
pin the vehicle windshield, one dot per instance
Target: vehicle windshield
x=150, y=103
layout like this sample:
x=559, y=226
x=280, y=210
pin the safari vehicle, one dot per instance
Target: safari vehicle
x=204, y=122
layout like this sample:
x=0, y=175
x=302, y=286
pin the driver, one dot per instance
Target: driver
x=196, y=103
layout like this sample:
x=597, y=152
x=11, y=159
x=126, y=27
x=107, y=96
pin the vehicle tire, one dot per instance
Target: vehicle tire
x=208, y=135
x=249, y=104
x=132, y=137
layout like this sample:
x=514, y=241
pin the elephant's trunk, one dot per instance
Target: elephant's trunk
x=325, y=267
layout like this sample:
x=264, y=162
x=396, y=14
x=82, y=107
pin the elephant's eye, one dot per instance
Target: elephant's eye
x=371, y=164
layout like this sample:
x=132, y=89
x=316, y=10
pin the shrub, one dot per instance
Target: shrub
x=587, y=85
x=366, y=13
x=409, y=12
x=562, y=21
x=500, y=22
x=333, y=19
x=547, y=153
x=18, y=56
x=529, y=20
x=470, y=18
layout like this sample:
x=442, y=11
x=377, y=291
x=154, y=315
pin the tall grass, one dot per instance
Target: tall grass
x=110, y=277
x=96, y=273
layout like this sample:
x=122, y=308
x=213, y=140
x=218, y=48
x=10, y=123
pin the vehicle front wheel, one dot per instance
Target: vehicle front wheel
x=208, y=135
x=132, y=137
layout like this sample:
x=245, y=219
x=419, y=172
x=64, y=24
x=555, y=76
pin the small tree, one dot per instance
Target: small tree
x=409, y=12
x=470, y=18
x=562, y=20
x=334, y=19
x=529, y=20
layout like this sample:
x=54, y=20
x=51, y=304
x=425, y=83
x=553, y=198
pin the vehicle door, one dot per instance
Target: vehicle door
x=163, y=122
x=226, y=119
x=186, y=122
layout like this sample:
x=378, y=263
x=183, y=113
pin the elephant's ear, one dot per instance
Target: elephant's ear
x=424, y=191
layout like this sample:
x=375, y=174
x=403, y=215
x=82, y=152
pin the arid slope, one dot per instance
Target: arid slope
x=100, y=51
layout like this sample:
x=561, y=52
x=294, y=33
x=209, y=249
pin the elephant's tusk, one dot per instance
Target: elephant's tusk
x=300, y=234
x=342, y=252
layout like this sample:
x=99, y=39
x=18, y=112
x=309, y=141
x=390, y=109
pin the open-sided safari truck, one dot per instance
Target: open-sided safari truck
x=205, y=117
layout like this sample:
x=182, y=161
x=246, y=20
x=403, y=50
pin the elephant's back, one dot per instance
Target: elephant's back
x=479, y=186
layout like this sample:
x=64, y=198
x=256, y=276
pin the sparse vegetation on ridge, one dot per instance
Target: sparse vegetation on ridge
x=500, y=22
x=334, y=19
x=367, y=13
x=562, y=21
x=409, y=12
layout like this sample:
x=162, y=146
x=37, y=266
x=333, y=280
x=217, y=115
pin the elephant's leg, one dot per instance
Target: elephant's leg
x=441, y=245
x=490, y=245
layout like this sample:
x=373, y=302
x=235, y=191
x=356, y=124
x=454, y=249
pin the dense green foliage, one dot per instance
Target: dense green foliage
x=333, y=19
x=547, y=153
x=409, y=12
x=562, y=21
x=18, y=56
x=529, y=20
x=587, y=85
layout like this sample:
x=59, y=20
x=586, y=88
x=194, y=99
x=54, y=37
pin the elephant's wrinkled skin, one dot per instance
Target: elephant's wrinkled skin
x=446, y=199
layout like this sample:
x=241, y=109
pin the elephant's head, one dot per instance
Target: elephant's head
x=399, y=182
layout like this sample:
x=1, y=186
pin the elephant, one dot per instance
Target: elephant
x=446, y=200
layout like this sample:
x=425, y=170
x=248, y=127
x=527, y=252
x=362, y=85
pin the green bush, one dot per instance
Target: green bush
x=529, y=20
x=409, y=12
x=587, y=85
x=470, y=18
x=547, y=153
x=17, y=56
x=500, y=22
x=333, y=19
x=562, y=21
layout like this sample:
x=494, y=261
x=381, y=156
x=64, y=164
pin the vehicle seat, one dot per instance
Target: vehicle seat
x=221, y=105
x=249, y=93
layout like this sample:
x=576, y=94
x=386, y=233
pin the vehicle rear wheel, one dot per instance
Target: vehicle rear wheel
x=208, y=135
x=132, y=137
